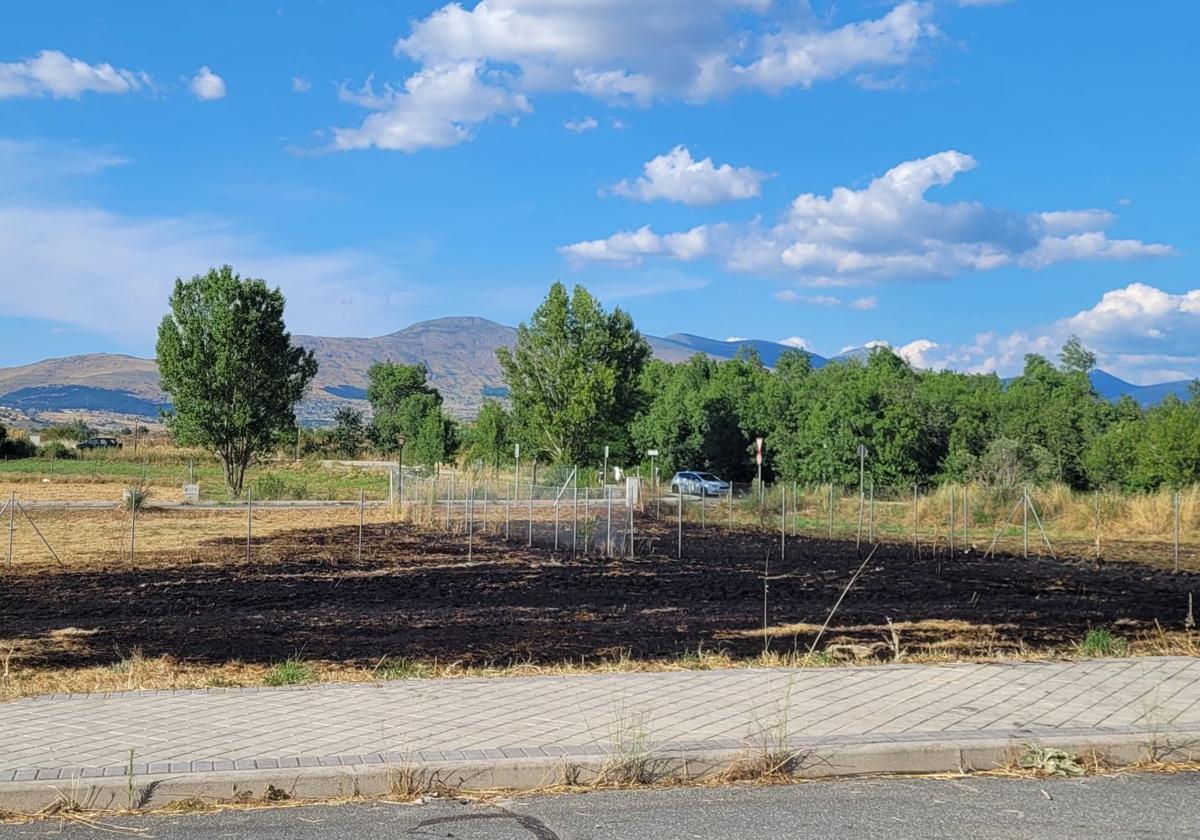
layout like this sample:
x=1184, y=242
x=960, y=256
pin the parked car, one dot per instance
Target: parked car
x=698, y=483
x=99, y=443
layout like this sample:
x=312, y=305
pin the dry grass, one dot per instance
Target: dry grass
x=137, y=672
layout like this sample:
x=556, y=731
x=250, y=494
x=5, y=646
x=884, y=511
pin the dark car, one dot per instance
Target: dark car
x=99, y=443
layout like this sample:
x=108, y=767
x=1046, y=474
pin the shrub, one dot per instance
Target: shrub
x=56, y=450
x=15, y=447
x=273, y=487
x=136, y=496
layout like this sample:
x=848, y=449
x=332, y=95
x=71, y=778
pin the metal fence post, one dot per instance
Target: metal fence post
x=574, y=508
x=703, y=513
x=966, y=518
x=1177, y=505
x=531, y=513
x=556, y=521
x=831, y=510
x=916, y=543
x=871, y=514
x=629, y=504
x=1025, y=522
x=608, y=522
x=132, y=529
x=731, y=505
x=587, y=518
x=362, y=507
x=679, y=549
x=783, y=523
x=449, y=500
x=951, y=520
x=470, y=505
x=249, y=521
x=12, y=509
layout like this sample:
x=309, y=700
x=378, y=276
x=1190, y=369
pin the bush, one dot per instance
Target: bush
x=58, y=451
x=15, y=447
x=275, y=488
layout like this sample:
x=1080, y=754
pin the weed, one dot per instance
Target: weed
x=629, y=762
x=402, y=669
x=1049, y=761
x=135, y=497
x=291, y=671
x=1099, y=641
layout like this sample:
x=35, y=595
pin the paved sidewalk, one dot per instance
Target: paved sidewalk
x=488, y=731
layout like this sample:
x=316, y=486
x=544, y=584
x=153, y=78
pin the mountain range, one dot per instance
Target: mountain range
x=460, y=354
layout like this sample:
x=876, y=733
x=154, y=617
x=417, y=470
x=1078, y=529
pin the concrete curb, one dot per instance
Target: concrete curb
x=814, y=758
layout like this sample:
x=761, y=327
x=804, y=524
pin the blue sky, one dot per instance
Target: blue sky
x=967, y=180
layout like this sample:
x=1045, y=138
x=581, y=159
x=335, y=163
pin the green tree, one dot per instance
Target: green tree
x=405, y=405
x=231, y=369
x=349, y=434
x=1075, y=358
x=487, y=439
x=573, y=377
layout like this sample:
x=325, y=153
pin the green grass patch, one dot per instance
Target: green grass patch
x=290, y=672
x=1100, y=642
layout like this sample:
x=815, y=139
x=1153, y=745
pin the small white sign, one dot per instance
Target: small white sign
x=653, y=453
x=191, y=494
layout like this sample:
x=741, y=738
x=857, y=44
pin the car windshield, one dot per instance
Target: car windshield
x=707, y=477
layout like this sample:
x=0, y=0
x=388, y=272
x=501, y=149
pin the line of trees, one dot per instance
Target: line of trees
x=581, y=378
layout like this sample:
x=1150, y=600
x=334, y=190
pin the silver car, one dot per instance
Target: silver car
x=698, y=483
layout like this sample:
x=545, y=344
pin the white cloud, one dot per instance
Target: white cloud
x=676, y=176
x=437, y=108
x=890, y=230
x=613, y=51
x=110, y=274
x=733, y=338
x=300, y=85
x=56, y=74
x=580, y=126
x=630, y=247
x=864, y=303
x=918, y=353
x=797, y=342
x=207, y=85
x=41, y=165
x=1140, y=333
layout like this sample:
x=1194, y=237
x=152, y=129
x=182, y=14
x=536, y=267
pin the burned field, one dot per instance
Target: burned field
x=415, y=595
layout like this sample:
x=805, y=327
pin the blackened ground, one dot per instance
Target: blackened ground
x=416, y=595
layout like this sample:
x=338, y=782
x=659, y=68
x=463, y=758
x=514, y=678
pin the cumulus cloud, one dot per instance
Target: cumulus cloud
x=53, y=73
x=631, y=247
x=891, y=230
x=860, y=303
x=207, y=85
x=437, y=107
x=580, y=126
x=612, y=51
x=1138, y=332
x=797, y=342
x=300, y=85
x=676, y=176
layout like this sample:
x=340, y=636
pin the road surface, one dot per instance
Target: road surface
x=1124, y=806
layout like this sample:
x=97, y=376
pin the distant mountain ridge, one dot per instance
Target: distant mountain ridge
x=460, y=354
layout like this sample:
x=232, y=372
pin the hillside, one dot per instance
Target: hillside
x=460, y=354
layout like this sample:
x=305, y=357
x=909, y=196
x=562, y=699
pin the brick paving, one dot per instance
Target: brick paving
x=177, y=732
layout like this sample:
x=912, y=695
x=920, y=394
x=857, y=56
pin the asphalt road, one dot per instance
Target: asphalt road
x=1165, y=806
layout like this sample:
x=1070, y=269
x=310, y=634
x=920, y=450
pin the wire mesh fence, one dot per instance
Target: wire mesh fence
x=575, y=515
